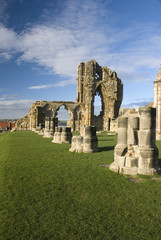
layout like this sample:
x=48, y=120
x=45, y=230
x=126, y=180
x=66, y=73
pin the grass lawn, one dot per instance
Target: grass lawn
x=49, y=193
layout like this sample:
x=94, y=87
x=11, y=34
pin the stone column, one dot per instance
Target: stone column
x=90, y=141
x=57, y=135
x=79, y=144
x=121, y=147
x=47, y=128
x=148, y=160
x=122, y=132
x=73, y=146
x=146, y=127
x=133, y=127
x=66, y=135
x=51, y=127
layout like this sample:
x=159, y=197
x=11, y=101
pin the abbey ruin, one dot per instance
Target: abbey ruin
x=137, y=129
x=92, y=79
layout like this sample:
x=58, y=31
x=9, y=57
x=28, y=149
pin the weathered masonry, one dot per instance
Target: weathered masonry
x=92, y=79
x=136, y=151
x=157, y=104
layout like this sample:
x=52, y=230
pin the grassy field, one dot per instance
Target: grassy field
x=49, y=193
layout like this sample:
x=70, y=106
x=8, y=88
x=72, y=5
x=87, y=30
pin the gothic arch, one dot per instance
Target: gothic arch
x=66, y=108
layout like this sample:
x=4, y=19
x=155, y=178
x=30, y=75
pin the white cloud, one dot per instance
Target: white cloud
x=8, y=43
x=84, y=31
x=3, y=7
x=58, y=84
x=15, y=108
x=8, y=38
x=8, y=96
x=138, y=103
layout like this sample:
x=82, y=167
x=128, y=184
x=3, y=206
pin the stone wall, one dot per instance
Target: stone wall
x=157, y=104
x=91, y=79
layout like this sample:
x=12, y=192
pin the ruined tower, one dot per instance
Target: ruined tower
x=93, y=79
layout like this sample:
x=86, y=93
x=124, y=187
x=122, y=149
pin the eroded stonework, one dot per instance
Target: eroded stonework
x=157, y=104
x=86, y=143
x=92, y=79
x=136, y=151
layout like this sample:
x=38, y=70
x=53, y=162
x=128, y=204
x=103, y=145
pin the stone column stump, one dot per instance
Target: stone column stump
x=136, y=152
x=90, y=141
x=49, y=127
x=57, y=135
x=73, y=146
x=66, y=135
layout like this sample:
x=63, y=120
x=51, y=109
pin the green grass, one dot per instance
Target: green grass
x=49, y=193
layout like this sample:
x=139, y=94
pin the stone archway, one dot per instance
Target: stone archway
x=58, y=116
x=91, y=78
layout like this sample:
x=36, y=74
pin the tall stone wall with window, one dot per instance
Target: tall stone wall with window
x=93, y=79
x=157, y=104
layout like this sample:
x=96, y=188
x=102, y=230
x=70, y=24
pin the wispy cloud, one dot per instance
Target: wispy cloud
x=15, y=108
x=138, y=103
x=82, y=31
x=9, y=96
x=58, y=84
x=3, y=7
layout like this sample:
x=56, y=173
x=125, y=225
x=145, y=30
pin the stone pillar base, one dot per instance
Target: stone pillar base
x=48, y=134
x=158, y=136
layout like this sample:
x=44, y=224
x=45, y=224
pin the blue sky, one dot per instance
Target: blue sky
x=42, y=43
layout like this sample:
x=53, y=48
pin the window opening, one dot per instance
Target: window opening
x=63, y=116
x=97, y=105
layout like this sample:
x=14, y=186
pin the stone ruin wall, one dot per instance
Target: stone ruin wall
x=42, y=109
x=157, y=104
x=135, y=152
x=92, y=79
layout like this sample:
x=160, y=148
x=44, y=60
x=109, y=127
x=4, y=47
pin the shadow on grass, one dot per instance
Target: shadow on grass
x=102, y=140
x=159, y=162
x=105, y=149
